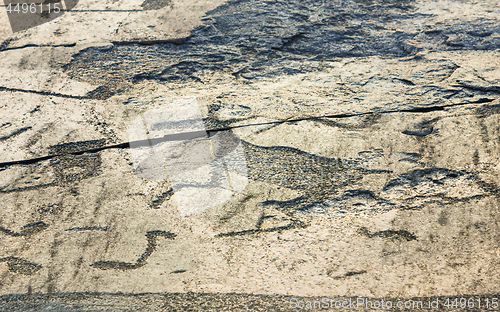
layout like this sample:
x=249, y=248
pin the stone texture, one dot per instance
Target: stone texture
x=369, y=130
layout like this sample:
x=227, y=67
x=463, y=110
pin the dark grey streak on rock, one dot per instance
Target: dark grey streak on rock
x=419, y=133
x=162, y=198
x=88, y=228
x=396, y=234
x=21, y=266
x=411, y=157
x=350, y=273
x=13, y=134
x=294, y=224
x=27, y=230
x=150, y=248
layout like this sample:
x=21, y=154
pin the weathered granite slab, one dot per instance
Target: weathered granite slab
x=369, y=131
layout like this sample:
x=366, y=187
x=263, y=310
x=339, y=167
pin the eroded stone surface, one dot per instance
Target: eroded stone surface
x=369, y=131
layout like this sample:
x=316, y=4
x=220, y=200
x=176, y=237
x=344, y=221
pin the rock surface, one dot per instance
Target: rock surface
x=370, y=133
